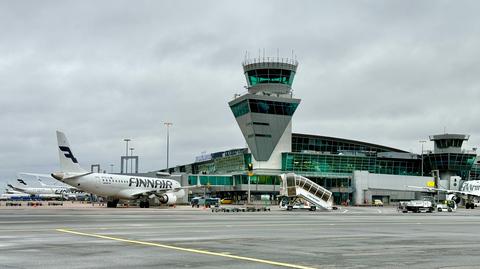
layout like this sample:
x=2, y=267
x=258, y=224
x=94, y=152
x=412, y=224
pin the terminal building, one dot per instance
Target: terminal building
x=356, y=172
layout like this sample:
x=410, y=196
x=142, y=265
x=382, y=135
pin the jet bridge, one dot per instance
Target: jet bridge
x=295, y=186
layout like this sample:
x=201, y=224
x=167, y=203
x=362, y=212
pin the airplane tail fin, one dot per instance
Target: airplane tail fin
x=68, y=163
x=21, y=181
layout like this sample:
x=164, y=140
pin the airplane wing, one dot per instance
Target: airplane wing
x=430, y=189
x=35, y=174
x=189, y=187
x=147, y=193
x=136, y=194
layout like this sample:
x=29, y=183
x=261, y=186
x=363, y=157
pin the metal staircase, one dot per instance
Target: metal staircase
x=295, y=186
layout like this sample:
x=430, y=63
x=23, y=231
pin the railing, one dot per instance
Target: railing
x=270, y=60
x=295, y=185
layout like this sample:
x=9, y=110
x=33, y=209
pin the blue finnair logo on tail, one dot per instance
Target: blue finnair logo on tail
x=68, y=153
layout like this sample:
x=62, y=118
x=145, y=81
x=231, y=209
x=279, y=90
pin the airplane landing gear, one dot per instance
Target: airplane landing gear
x=144, y=204
x=112, y=204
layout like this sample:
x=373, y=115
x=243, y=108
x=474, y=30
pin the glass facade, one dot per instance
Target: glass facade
x=271, y=107
x=225, y=165
x=302, y=143
x=475, y=172
x=407, y=167
x=326, y=163
x=271, y=76
x=333, y=182
x=459, y=163
x=257, y=179
x=341, y=164
x=240, y=109
x=264, y=107
x=211, y=180
x=447, y=143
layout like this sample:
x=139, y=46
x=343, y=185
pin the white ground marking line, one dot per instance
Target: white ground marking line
x=197, y=251
x=346, y=210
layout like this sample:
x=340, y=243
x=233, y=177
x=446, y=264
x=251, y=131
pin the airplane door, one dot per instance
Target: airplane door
x=98, y=182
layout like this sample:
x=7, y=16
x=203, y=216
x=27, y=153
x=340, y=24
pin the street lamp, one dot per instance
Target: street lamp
x=168, y=124
x=111, y=168
x=131, y=154
x=126, y=154
x=422, y=142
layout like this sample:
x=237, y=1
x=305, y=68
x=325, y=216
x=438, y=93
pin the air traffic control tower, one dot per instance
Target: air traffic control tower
x=450, y=159
x=264, y=114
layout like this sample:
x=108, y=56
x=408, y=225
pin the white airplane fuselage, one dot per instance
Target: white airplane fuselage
x=44, y=190
x=9, y=196
x=472, y=186
x=122, y=186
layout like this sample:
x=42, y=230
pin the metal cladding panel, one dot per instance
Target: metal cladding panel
x=262, y=139
x=262, y=129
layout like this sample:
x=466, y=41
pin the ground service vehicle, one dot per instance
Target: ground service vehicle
x=448, y=205
x=226, y=201
x=416, y=206
x=202, y=201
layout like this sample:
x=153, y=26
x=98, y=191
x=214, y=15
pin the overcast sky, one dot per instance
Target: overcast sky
x=386, y=72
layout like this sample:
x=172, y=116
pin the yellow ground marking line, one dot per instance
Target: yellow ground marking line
x=204, y=252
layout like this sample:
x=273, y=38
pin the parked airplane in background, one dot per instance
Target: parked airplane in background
x=469, y=192
x=9, y=191
x=42, y=193
x=14, y=195
x=112, y=186
x=57, y=191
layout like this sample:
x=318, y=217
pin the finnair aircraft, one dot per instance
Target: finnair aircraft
x=14, y=195
x=51, y=191
x=112, y=186
x=469, y=192
x=43, y=193
x=8, y=191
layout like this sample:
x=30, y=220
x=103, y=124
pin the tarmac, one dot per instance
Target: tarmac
x=85, y=236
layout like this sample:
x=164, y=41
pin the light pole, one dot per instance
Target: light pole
x=111, y=168
x=131, y=166
x=422, y=142
x=168, y=124
x=126, y=154
x=248, y=192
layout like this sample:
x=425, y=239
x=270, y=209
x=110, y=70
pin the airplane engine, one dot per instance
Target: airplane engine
x=168, y=198
x=455, y=198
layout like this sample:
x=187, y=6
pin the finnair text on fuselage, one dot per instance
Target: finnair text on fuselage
x=473, y=185
x=150, y=183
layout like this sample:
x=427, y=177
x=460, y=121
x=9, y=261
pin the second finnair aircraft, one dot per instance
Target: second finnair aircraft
x=112, y=186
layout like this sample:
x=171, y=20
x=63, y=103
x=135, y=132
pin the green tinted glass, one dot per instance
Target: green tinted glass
x=240, y=109
x=273, y=76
